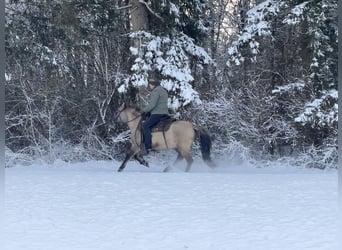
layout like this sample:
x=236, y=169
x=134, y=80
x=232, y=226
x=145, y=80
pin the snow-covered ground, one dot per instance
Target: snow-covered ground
x=89, y=205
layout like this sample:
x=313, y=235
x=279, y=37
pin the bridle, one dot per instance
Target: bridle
x=119, y=113
x=118, y=116
x=131, y=120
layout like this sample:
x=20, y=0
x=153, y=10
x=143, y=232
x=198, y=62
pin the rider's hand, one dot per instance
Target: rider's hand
x=144, y=115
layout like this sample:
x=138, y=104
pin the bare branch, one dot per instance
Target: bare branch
x=124, y=7
x=150, y=10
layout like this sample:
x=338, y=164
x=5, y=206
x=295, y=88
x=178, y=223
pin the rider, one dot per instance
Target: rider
x=157, y=107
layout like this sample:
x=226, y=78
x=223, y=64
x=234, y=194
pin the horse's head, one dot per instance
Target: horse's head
x=127, y=113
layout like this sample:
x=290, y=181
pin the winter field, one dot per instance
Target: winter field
x=83, y=206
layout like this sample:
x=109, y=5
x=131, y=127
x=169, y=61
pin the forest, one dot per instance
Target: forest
x=260, y=75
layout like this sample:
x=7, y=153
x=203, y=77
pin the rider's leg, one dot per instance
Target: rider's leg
x=146, y=127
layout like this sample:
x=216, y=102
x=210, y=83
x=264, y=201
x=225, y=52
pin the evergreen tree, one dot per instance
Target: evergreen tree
x=288, y=50
x=169, y=49
x=64, y=61
x=264, y=73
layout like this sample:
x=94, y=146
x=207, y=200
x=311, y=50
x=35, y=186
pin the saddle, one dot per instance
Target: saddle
x=163, y=125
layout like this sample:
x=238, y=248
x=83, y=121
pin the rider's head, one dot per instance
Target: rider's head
x=152, y=83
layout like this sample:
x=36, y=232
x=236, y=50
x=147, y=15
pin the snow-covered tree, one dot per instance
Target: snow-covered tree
x=169, y=50
x=171, y=58
x=64, y=60
x=284, y=43
x=263, y=71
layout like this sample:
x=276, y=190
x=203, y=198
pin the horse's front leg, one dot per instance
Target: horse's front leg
x=141, y=160
x=129, y=156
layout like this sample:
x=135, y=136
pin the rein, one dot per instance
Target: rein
x=133, y=119
x=119, y=113
x=136, y=130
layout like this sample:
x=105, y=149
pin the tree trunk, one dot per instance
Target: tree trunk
x=139, y=16
x=139, y=22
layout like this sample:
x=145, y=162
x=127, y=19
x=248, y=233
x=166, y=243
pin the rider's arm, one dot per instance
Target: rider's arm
x=154, y=97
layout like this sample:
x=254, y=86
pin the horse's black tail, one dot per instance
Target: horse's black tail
x=205, y=143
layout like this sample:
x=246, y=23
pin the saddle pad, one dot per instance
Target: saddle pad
x=163, y=125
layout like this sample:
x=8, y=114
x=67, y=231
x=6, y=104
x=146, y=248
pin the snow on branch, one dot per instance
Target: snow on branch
x=124, y=7
x=296, y=14
x=172, y=59
x=257, y=25
x=289, y=87
x=324, y=110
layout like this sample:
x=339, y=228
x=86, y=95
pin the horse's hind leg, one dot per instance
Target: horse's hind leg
x=179, y=158
x=188, y=159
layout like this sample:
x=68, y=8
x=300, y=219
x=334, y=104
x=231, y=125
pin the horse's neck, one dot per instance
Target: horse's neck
x=135, y=130
x=133, y=125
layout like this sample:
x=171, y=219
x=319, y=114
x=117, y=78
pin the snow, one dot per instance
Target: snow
x=91, y=206
x=289, y=87
x=296, y=12
x=174, y=9
x=8, y=77
x=312, y=109
x=299, y=9
x=171, y=58
x=257, y=12
x=257, y=25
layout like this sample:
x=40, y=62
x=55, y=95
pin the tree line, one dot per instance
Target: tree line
x=260, y=75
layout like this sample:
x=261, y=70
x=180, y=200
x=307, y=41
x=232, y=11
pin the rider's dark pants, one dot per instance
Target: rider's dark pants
x=147, y=126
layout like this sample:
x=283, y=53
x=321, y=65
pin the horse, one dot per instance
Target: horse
x=180, y=136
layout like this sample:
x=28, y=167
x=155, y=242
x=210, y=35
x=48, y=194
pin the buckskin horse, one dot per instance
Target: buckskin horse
x=179, y=136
